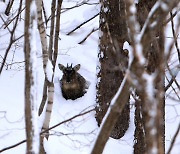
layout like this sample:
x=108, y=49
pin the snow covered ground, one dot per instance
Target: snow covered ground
x=76, y=136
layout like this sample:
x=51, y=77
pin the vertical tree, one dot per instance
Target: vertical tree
x=113, y=61
x=49, y=59
x=143, y=9
x=32, y=133
x=146, y=75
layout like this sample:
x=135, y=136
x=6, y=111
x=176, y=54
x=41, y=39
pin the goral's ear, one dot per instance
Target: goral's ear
x=77, y=67
x=61, y=67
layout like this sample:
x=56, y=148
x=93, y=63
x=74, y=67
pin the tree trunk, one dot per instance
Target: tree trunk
x=143, y=9
x=153, y=44
x=28, y=112
x=32, y=134
x=113, y=62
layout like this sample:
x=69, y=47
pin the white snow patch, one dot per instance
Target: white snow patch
x=132, y=9
x=33, y=61
x=127, y=46
x=49, y=70
x=2, y=7
x=149, y=78
x=164, y=6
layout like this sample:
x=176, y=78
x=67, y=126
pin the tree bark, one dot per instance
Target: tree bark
x=113, y=62
x=117, y=106
x=152, y=41
x=28, y=112
x=143, y=9
x=32, y=134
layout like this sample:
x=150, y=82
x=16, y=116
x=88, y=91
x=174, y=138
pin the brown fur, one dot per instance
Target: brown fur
x=73, y=85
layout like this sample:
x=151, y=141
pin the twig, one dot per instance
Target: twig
x=44, y=12
x=78, y=5
x=23, y=141
x=174, y=36
x=11, y=39
x=170, y=48
x=76, y=116
x=173, y=77
x=13, y=146
x=82, y=24
x=9, y=6
x=93, y=30
x=169, y=19
x=19, y=12
x=174, y=139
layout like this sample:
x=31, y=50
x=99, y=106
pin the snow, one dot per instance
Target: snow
x=149, y=85
x=2, y=7
x=33, y=91
x=130, y=52
x=49, y=70
x=164, y=6
x=78, y=135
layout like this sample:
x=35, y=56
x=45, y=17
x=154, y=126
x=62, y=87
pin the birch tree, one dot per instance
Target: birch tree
x=49, y=59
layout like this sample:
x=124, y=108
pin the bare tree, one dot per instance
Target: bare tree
x=113, y=61
x=30, y=80
x=143, y=9
x=47, y=56
x=142, y=26
x=149, y=85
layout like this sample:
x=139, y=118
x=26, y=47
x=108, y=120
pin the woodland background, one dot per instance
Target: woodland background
x=129, y=54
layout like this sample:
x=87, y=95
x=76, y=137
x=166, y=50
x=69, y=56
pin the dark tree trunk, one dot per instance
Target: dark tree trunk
x=139, y=136
x=152, y=54
x=28, y=112
x=113, y=61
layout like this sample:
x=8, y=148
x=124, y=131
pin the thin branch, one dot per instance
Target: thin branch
x=173, y=88
x=78, y=5
x=170, y=82
x=174, y=139
x=11, y=39
x=170, y=18
x=9, y=6
x=19, y=12
x=82, y=24
x=57, y=29
x=4, y=24
x=170, y=48
x=76, y=116
x=174, y=76
x=174, y=36
x=92, y=31
x=44, y=12
x=13, y=146
x=51, y=39
x=65, y=121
